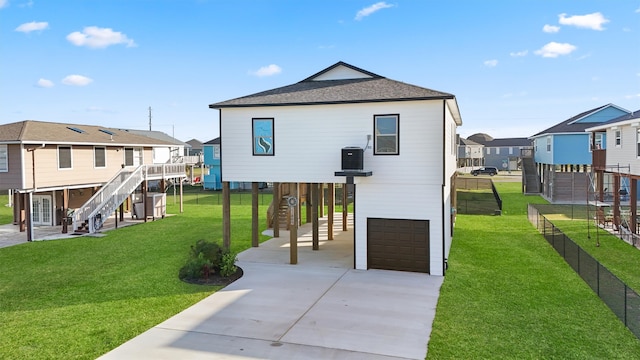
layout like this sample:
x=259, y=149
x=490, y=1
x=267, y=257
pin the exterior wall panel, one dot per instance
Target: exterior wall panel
x=12, y=179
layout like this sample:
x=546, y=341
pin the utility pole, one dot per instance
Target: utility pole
x=149, y=118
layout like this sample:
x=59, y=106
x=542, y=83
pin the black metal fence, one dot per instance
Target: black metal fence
x=622, y=300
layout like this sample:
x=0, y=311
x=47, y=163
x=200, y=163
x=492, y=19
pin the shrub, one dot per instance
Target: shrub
x=206, y=258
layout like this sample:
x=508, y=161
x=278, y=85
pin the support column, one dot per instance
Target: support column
x=276, y=209
x=65, y=209
x=321, y=200
x=309, y=203
x=633, y=195
x=144, y=200
x=23, y=212
x=345, y=207
x=293, y=226
x=226, y=215
x=29, y=208
x=181, y=203
x=255, y=242
x=332, y=197
x=616, y=201
x=315, y=240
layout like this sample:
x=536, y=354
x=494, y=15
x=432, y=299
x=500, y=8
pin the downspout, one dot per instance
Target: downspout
x=444, y=137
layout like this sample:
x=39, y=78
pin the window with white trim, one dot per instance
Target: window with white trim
x=548, y=143
x=65, y=160
x=637, y=142
x=598, y=140
x=4, y=158
x=99, y=157
x=618, y=138
x=133, y=156
x=216, y=152
x=387, y=134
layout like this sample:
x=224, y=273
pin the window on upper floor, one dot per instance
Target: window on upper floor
x=99, y=157
x=263, y=137
x=387, y=134
x=618, y=138
x=64, y=157
x=133, y=156
x=637, y=143
x=4, y=158
x=548, y=143
x=216, y=152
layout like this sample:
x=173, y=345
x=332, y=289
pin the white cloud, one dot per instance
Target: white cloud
x=32, y=26
x=590, y=21
x=95, y=37
x=268, y=70
x=632, y=96
x=554, y=49
x=638, y=10
x=491, y=63
x=4, y=3
x=77, y=80
x=371, y=9
x=551, y=29
x=519, y=53
x=44, y=83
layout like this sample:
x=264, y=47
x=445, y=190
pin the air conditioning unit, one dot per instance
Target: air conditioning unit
x=352, y=158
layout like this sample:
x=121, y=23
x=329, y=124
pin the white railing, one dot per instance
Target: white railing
x=99, y=197
x=104, y=202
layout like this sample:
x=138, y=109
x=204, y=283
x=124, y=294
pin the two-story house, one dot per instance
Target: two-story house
x=615, y=147
x=502, y=153
x=394, y=142
x=52, y=168
x=470, y=153
x=563, y=153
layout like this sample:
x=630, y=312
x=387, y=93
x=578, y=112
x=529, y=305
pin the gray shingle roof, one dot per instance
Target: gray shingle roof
x=571, y=126
x=311, y=92
x=31, y=131
x=508, y=142
x=215, y=141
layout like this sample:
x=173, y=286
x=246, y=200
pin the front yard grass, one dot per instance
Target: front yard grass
x=6, y=212
x=79, y=298
x=509, y=295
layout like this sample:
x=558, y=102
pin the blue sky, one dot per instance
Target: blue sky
x=515, y=67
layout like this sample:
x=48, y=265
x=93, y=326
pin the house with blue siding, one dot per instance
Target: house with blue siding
x=212, y=175
x=562, y=153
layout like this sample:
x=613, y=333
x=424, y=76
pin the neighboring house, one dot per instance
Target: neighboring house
x=58, y=167
x=212, y=179
x=196, y=147
x=503, y=153
x=615, y=147
x=563, y=156
x=470, y=153
x=167, y=153
x=402, y=169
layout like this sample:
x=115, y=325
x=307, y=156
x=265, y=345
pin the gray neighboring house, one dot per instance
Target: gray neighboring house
x=470, y=153
x=502, y=153
x=196, y=148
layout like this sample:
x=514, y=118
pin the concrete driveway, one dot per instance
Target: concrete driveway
x=318, y=309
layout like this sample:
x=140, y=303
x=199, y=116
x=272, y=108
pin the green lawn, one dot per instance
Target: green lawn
x=616, y=255
x=509, y=295
x=81, y=297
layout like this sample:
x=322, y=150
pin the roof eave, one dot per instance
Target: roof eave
x=444, y=97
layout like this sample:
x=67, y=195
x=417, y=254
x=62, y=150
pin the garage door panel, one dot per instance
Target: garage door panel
x=398, y=244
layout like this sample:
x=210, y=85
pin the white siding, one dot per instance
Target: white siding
x=626, y=154
x=308, y=141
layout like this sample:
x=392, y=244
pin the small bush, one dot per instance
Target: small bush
x=206, y=258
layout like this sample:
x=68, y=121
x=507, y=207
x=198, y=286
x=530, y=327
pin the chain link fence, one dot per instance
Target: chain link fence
x=621, y=299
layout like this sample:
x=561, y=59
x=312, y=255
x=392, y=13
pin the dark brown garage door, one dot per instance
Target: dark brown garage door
x=395, y=244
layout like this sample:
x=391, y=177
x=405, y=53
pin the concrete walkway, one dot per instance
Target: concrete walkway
x=319, y=309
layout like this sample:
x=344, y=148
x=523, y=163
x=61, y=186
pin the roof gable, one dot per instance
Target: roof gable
x=341, y=71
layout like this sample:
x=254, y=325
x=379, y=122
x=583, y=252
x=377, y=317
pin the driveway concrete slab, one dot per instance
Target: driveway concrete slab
x=318, y=309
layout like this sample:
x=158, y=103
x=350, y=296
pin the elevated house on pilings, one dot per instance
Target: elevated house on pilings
x=78, y=175
x=392, y=143
x=615, y=147
x=563, y=154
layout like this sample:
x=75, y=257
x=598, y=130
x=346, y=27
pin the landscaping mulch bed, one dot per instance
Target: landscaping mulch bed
x=216, y=279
